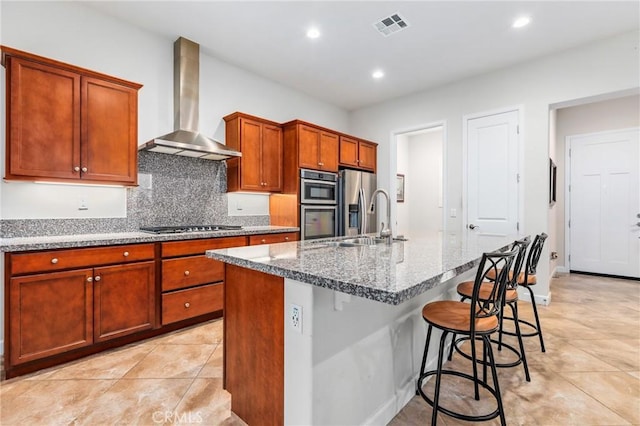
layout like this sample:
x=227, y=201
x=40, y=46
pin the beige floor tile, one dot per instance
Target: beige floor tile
x=618, y=391
x=136, y=402
x=634, y=373
x=624, y=354
x=570, y=329
x=172, y=361
x=206, y=402
x=111, y=365
x=52, y=402
x=213, y=367
x=206, y=334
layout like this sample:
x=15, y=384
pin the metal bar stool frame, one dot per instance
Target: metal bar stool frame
x=511, y=300
x=482, y=321
x=526, y=279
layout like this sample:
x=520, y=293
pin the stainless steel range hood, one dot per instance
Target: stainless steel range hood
x=186, y=140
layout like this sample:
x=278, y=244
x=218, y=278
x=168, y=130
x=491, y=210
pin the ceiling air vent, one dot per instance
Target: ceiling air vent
x=391, y=24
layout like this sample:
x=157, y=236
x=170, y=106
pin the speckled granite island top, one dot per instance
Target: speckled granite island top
x=92, y=240
x=389, y=274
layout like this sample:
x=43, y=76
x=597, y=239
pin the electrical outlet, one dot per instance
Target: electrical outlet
x=295, y=317
x=82, y=204
x=454, y=213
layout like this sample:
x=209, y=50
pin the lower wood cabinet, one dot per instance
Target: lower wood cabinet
x=55, y=312
x=64, y=304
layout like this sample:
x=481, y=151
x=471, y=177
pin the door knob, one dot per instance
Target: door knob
x=472, y=226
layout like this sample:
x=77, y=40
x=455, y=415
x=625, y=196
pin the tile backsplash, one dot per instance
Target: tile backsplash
x=172, y=190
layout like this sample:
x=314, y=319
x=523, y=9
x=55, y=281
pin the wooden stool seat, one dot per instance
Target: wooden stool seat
x=523, y=279
x=454, y=316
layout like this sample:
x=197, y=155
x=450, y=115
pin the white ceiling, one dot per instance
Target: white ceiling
x=446, y=41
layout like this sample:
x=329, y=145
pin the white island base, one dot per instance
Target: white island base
x=357, y=360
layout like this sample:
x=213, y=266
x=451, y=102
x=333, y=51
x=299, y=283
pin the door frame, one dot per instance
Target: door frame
x=567, y=183
x=393, y=164
x=465, y=161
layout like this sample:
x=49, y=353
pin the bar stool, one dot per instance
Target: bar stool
x=477, y=320
x=465, y=290
x=526, y=279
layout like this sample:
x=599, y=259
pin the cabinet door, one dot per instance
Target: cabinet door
x=49, y=314
x=328, y=152
x=109, y=131
x=367, y=155
x=124, y=300
x=44, y=121
x=308, y=141
x=251, y=155
x=272, y=147
x=348, y=151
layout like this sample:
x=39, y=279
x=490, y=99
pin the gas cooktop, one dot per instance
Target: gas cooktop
x=188, y=228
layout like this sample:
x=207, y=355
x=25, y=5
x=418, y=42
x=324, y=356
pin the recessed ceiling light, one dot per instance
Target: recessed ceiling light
x=521, y=22
x=313, y=32
x=377, y=74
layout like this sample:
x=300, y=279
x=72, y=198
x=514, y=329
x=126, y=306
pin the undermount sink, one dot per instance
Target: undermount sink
x=358, y=241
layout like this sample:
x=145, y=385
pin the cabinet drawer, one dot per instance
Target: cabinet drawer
x=190, y=271
x=272, y=238
x=183, y=304
x=77, y=258
x=190, y=247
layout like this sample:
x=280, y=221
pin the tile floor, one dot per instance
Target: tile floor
x=590, y=374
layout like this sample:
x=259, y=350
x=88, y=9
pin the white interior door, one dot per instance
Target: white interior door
x=605, y=203
x=492, y=174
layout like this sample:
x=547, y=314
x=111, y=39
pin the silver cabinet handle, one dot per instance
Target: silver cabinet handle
x=84, y=170
x=89, y=279
x=76, y=169
x=286, y=238
x=186, y=273
x=472, y=226
x=263, y=241
x=186, y=305
x=54, y=260
x=125, y=254
x=97, y=278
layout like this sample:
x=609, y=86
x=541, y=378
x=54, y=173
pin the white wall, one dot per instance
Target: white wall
x=402, y=214
x=612, y=114
x=72, y=33
x=605, y=66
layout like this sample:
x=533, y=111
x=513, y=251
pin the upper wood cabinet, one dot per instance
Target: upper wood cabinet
x=317, y=148
x=68, y=124
x=261, y=144
x=357, y=153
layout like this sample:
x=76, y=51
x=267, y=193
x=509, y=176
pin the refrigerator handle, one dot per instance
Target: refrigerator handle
x=363, y=209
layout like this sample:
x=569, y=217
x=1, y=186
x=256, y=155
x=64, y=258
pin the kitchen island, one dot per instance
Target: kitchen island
x=323, y=332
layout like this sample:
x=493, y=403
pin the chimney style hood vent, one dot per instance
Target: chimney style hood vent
x=186, y=140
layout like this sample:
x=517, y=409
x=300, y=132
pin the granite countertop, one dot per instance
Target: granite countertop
x=389, y=274
x=91, y=240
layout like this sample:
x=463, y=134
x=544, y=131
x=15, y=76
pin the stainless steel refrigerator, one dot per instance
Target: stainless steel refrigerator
x=354, y=196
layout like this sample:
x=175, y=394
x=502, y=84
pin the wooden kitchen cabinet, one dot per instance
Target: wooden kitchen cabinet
x=261, y=144
x=49, y=314
x=272, y=238
x=192, y=284
x=68, y=124
x=317, y=149
x=357, y=153
x=61, y=300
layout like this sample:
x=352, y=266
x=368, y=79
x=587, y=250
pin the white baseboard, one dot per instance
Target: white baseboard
x=541, y=299
x=2, y=347
x=560, y=270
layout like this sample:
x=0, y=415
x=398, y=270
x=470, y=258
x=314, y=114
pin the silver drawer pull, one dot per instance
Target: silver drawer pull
x=84, y=170
x=89, y=279
x=186, y=273
x=97, y=278
x=54, y=260
x=186, y=305
x=76, y=169
x=125, y=254
x=263, y=241
x=286, y=238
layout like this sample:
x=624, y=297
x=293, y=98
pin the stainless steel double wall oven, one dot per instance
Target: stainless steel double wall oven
x=318, y=204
